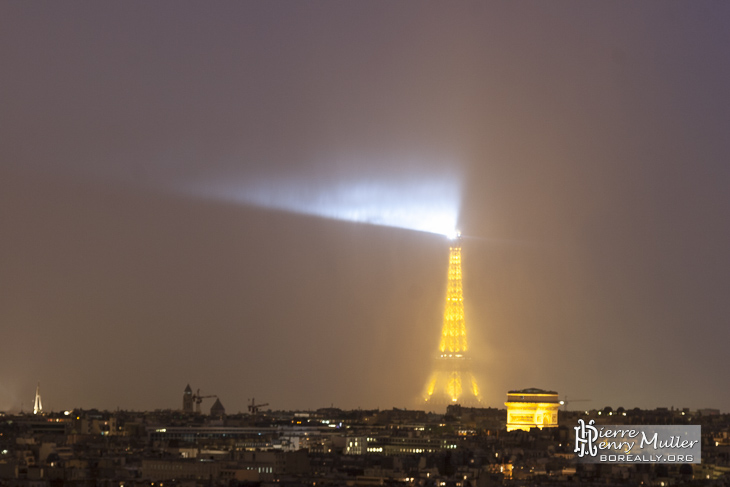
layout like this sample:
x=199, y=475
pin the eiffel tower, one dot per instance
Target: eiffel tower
x=452, y=381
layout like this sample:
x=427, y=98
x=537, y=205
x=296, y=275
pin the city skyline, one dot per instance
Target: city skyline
x=250, y=198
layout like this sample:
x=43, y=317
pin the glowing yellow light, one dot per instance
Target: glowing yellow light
x=453, y=367
x=532, y=409
x=431, y=386
x=453, y=334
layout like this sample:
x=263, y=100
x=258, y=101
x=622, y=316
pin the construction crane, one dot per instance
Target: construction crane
x=198, y=399
x=253, y=408
x=565, y=402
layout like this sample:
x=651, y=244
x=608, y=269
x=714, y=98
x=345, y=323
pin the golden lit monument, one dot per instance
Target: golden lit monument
x=532, y=408
x=452, y=381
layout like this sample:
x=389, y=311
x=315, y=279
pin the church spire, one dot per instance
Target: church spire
x=37, y=406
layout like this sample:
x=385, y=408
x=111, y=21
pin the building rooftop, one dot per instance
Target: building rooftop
x=532, y=390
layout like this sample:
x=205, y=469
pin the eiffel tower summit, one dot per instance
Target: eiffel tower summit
x=452, y=381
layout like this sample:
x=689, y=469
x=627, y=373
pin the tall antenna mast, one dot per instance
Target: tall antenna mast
x=37, y=406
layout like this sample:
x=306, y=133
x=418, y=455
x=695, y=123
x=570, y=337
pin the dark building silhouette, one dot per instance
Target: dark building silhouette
x=188, y=400
x=217, y=410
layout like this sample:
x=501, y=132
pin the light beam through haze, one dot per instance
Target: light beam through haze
x=413, y=203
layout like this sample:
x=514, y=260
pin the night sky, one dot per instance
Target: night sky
x=164, y=167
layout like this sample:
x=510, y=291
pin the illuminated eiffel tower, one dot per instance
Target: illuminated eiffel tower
x=452, y=381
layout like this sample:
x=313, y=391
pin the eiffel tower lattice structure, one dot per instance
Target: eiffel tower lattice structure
x=452, y=381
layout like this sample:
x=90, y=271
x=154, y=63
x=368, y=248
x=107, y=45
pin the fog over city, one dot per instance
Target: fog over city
x=252, y=198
